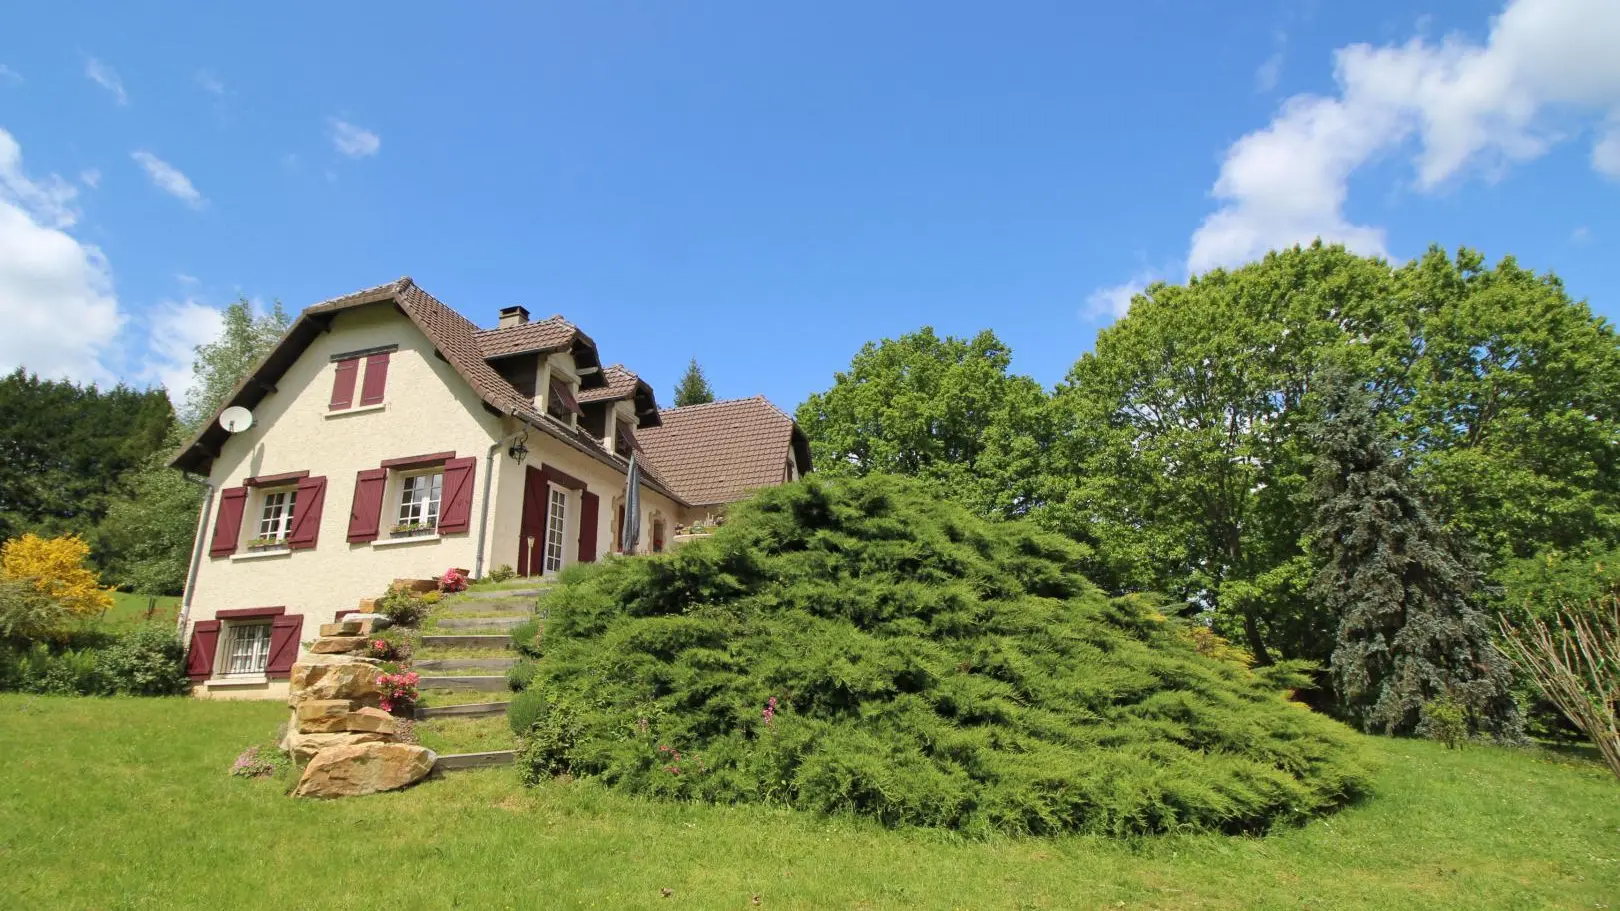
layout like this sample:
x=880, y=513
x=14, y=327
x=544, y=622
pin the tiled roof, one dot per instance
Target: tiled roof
x=554, y=334
x=621, y=384
x=721, y=451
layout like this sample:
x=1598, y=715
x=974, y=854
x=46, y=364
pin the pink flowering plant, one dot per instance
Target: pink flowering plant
x=399, y=692
x=388, y=645
x=453, y=580
x=258, y=762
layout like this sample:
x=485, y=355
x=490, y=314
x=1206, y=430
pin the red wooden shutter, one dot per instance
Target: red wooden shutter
x=200, y=656
x=306, y=525
x=455, y=511
x=343, y=383
x=618, y=535
x=371, y=391
x=228, y=523
x=589, y=506
x=284, y=632
x=365, y=517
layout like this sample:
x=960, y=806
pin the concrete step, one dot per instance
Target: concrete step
x=463, y=664
x=504, y=593
x=491, y=606
x=471, y=709
x=480, y=682
x=491, y=641
x=454, y=762
x=480, y=623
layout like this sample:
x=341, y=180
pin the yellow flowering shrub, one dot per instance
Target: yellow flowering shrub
x=56, y=568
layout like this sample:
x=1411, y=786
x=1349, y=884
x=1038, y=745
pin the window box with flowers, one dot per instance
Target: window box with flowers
x=413, y=530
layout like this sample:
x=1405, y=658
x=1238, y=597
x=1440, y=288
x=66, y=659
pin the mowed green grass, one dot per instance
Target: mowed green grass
x=125, y=803
x=130, y=610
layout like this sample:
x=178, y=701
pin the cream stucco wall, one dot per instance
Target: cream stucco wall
x=427, y=408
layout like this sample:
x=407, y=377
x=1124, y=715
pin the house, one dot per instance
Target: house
x=392, y=438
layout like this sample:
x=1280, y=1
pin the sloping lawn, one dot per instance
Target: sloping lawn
x=130, y=610
x=125, y=803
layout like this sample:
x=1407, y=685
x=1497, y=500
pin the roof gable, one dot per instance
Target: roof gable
x=720, y=452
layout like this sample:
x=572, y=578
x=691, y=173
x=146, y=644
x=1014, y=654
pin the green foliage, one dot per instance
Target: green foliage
x=145, y=540
x=946, y=410
x=27, y=614
x=526, y=708
x=145, y=661
x=68, y=449
x=1444, y=720
x=526, y=637
x=519, y=675
x=1400, y=584
x=244, y=339
x=502, y=573
x=694, y=387
x=1555, y=579
x=862, y=646
x=403, y=607
x=1179, y=456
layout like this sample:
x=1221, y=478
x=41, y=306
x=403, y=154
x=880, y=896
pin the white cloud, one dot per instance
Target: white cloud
x=1115, y=301
x=169, y=179
x=7, y=74
x=1468, y=107
x=174, y=331
x=90, y=177
x=353, y=141
x=185, y=279
x=1270, y=72
x=1580, y=236
x=102, y=74
x=210, y=83
x=56, y=293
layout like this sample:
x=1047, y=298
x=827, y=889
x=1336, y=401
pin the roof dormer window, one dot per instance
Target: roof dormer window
x=560, y=401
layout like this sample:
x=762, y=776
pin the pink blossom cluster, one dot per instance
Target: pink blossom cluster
x=770, y=711
x=399, y=691
x=453, y=580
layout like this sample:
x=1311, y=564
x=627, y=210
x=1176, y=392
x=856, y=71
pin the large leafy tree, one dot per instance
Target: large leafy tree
x=945, y=409
x=146, y=539
x=1179, y=451
x=1401, y=585
x=66, y=450
x=694, y=387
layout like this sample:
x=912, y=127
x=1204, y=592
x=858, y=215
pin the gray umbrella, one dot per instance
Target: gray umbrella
x=631, y=532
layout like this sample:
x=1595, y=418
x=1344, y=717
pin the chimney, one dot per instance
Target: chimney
x=515, y=315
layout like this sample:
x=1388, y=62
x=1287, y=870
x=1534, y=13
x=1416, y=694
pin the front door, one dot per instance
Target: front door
x=532, y=528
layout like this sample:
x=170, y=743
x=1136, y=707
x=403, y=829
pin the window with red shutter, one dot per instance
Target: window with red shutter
x=228, y=522
x=200, y=656
x=306, y=523
x=589, y=507
x=376, y=381
x=343, y=383
x=365, y=516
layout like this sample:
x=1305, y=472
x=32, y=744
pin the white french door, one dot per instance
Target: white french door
x=556, y=530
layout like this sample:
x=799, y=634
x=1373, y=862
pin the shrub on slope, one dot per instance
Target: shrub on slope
x=857, y=646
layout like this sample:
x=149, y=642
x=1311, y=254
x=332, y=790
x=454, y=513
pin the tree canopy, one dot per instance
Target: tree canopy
x=694, y=387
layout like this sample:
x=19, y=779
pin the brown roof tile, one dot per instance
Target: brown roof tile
x=621, y=384
x=554, y=334
x=721, y=451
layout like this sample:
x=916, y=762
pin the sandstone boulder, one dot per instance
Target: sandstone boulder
x=305, y=747
x=321, y=677
x=369, y=622
x=323, y=716
x=373, y=720
x=365, y=768
x=420, y=586
x=345, y=627
x=338, y=645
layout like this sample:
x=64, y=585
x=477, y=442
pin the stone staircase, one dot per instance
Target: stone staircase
x=475, y=629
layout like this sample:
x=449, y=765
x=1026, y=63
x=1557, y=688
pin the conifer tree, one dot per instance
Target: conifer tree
x=694, y=387
x=1401, y=586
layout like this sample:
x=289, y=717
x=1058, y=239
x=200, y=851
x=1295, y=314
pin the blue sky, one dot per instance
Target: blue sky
x=765, y=187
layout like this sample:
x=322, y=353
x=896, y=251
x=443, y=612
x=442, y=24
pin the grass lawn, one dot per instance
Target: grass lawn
x=130, y=610
x=125, y=803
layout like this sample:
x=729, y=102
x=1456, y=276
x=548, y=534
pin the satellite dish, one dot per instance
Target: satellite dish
x=236, y=419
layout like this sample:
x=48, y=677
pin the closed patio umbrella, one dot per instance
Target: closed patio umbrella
x=631, y=532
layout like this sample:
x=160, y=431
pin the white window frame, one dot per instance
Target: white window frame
x=431, y=510
x=254, y=652
x=558, y=516
x=276, y=528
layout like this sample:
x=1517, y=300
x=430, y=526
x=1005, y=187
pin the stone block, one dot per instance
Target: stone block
x=364, y=768
x=305, y=747
x=371, y=720
x=335, y=677
x=344, y=627
x=420, y=586
x=323, y=716
x=339, y=645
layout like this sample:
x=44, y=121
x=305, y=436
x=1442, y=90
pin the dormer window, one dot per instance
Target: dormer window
x=560, y=402
x=624, y=439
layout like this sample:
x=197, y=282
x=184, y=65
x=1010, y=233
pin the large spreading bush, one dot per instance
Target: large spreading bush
x=146, y=661
x=859, y=646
